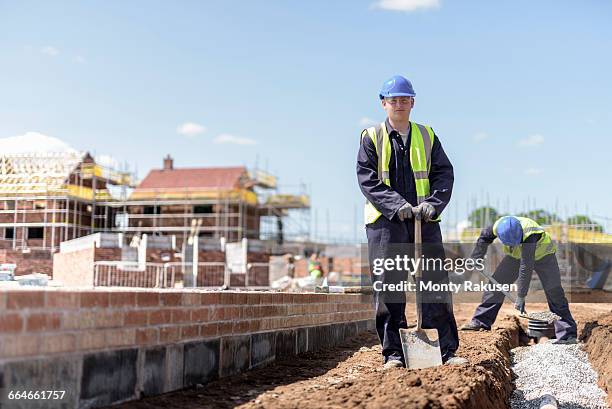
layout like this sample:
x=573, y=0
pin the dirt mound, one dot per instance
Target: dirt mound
x=597, y=336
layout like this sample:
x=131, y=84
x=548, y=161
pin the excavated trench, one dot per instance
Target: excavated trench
x=350, y=376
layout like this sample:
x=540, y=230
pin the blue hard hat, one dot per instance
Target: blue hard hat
x=397, y=86
x=509, y=231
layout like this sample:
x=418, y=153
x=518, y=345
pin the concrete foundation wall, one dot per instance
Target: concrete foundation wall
x=109, y=346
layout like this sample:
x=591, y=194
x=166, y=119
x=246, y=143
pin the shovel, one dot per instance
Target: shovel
x=421, y=346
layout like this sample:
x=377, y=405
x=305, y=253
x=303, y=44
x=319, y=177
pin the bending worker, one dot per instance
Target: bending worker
x=403, y=171
x=527, y=247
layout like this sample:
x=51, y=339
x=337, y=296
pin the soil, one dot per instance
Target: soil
x=351, y=375
x=597, y=336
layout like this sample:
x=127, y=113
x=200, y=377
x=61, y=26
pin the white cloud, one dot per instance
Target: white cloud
x=365, y=121
x=51, y=51
x=237, y=140
x=531, y=140
x=480, y=136
x=532, y=171
x=190, y=129
x=79, y=59
x=32, y=142
x=406, y=5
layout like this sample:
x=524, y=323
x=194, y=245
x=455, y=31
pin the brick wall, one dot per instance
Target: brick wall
x=36, y=261
x=165, y=339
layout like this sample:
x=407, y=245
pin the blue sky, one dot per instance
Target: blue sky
x=518, y=92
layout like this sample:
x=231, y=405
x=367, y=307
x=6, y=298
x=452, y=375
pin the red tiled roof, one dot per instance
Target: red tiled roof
x=204, y=178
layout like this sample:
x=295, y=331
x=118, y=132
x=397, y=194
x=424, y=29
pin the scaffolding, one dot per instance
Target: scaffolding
x=47, y=198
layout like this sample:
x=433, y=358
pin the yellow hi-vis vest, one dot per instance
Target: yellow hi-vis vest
x=544, y=246
x=421, y=141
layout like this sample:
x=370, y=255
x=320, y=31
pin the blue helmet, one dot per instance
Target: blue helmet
x=509, y=231
x=397, y=86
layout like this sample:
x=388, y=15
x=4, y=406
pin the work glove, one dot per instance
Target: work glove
x=405, y=212
x=520, y=304
x=425, y=210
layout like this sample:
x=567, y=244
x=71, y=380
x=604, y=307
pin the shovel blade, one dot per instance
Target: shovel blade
x=421, y=348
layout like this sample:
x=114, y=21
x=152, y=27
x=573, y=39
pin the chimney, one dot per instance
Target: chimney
x=168, y=163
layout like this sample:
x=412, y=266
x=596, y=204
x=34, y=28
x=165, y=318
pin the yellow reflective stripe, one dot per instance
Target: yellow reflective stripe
x=427, y=142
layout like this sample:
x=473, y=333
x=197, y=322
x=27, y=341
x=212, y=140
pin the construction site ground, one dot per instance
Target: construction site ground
x=351, y=375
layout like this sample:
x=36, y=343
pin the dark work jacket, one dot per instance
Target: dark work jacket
x=527, y=256
x=388, y=199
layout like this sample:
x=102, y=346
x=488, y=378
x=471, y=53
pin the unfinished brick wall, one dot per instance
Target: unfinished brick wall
x=179, y=337
x=36, y=261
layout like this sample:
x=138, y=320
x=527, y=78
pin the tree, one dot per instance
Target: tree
x=581, y=221
x=542, y=216
x=483, y=216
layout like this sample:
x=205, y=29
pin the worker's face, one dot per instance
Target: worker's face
x=398, y=108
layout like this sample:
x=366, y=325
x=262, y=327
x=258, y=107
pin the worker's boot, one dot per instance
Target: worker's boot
x=393, y=362
x=473, y=326
x=456, y=360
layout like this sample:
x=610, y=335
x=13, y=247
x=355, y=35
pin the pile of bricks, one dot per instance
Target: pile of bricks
x=155, y=341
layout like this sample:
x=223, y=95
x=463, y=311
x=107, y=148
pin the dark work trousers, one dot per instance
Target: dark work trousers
x=386, y=239
x=548, y=270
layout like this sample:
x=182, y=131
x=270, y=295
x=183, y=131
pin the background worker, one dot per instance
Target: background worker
x=527, y=247
x=402, y=170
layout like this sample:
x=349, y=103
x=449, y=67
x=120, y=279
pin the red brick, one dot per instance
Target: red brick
x=168, y=334
x=53, y=343
x=120, y=337
x=137, y=318
x=254, y=325
x=159, y=317
x=88, y=340
x=122, y=299
x=3, y=296
x=25, y=299
x=225, y=328
x=109, y=319
x=192, y=299
x=11, y=323
x=94, y=299
x=217, y=313
x=209, y=298
x=252, y=299
x=209, y=330
x=240, y=327
x=190, y=331
x=42, y=322
x=180, y=315
x=200, y=314
x=146, y=336
x=225, y=298
x=63, y=299
x=147, y=299
x=239, y=298
x=19, y=345
x=171, y=299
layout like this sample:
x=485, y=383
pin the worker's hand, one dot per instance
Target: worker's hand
x=405, y=212
x=425, y=210
x=520, y=304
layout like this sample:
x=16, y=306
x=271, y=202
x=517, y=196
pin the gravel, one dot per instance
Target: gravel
x=563, y=371
x=547, y=316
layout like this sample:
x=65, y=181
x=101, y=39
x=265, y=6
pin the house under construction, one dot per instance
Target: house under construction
x=213, y=202
x=48, y=198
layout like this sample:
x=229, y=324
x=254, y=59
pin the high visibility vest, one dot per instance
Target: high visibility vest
x=544, y=246
x=421, y=141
